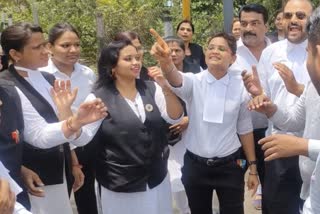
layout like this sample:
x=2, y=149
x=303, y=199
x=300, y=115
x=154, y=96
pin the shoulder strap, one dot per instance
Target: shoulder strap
x=49, y=77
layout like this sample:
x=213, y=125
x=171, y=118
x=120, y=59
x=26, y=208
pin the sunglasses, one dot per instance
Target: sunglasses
x=299, y=14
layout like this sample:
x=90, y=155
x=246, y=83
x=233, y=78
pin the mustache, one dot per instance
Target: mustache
x=249, y=34
x=294, y=25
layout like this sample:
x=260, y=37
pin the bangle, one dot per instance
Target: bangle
x=252, y=162
x=69, y=126
x=250, y=173
x=77, y=165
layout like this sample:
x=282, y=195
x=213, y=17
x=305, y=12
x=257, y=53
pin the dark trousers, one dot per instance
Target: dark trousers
x=200, y=179
x=258, y=134
x=282, y=187
x=85, y=197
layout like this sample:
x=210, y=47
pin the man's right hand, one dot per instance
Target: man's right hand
x=262, y=104
x=7, y=198
x=32, y=182
x=252, y=82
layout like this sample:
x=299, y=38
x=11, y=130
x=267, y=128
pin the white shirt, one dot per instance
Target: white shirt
x=304, y=114
x=245, y=60
x=14, y=187
x=90, y=130
x=82, y=78
x=37, y=131
x=214, y=139
x=294, y=57
x=312, y=204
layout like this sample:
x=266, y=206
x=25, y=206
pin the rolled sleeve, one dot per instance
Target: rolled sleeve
x=313, y=149
x=185, y=90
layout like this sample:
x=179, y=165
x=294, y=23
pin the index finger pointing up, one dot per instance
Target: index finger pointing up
x=159, y=39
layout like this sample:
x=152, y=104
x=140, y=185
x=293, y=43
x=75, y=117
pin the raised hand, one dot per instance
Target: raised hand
x=160, y=50
x=288, y=78
x=252, y=82
x=32, y=182
x=7, y=198
x=89, y=112
x=156, y=74
x=281, y=146
x=62, y=95
x=262, y=104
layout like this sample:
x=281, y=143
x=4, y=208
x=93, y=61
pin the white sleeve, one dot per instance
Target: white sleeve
x=161, y=104
x=244, y=123
x=37, y=131
x=263, y=68
x=292, y=119
x=185, y=90
x=313, y=149
x=87, y=131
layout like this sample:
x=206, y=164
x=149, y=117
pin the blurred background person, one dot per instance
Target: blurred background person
x=193, y=52
x=236, y=27
x=279, y=32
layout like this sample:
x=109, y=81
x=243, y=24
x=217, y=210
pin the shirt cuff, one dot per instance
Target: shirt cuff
x=313, y=149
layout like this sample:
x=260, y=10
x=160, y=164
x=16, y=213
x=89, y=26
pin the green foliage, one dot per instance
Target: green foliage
x=122, y=15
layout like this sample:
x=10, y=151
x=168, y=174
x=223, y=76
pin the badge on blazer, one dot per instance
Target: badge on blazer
x=15, y=136
x=149, y=108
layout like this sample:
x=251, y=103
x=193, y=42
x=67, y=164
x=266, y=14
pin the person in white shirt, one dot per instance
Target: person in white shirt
x=64, y=46
x=282, y=69
x=253, y=20
x=303, y=114
x=216, y=104
x=9, y=189
x=25, y=45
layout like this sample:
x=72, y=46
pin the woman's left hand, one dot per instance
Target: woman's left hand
x=62, y=95
x=253, y=183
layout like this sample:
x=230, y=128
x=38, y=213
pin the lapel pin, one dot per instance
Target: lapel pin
x=149, y=108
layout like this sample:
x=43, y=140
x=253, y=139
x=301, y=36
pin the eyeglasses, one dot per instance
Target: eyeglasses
x=217, y=47
x=299, y=14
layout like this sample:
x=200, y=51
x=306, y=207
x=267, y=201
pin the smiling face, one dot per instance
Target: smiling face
x=295, y=16
x=33, y=55
x=128, y=65
x=219, y=55
x=66, y=49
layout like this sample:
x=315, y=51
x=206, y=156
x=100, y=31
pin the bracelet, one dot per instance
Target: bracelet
x=77, y=165
x=252, y=162
x=69, y=126
x=250, y=173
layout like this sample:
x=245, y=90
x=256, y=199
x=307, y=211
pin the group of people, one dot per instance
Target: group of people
x=193, y=124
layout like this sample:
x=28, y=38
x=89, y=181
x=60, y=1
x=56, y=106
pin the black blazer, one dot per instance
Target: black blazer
x=47, y=163
x=131, y=154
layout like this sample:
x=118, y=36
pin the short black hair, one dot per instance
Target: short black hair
x=177, y=40
x=185, y=21
x=231, y=40
x=257, y=8
x=313, y=27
